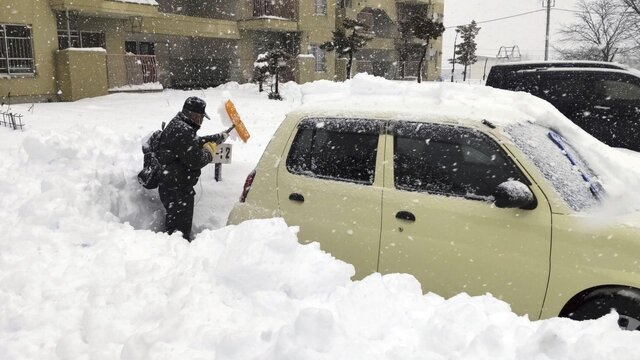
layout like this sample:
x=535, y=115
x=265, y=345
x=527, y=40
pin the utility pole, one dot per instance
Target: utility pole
x=453, y=67
x=546, y=41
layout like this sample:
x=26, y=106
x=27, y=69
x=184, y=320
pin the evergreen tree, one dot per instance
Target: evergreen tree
x=348, y=40
x=274, y=61
x=424, y=27
x=406, y=35
x=260, y=71
x=466, y=50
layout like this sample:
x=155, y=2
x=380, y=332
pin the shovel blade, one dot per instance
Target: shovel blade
x=237, y=122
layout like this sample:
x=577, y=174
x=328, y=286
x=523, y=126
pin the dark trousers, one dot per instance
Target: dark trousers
x=179, y=206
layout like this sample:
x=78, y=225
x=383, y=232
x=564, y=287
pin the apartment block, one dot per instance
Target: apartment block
x=65, y=50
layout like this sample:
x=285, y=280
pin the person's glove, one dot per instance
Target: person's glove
x=211, y=147
x=225, y=136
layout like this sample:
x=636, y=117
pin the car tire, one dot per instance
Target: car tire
x=625, y=302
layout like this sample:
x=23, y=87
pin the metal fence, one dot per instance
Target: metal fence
x=131, y=70
x=11, y=120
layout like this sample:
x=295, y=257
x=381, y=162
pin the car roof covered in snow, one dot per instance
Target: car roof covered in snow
x=371, y=97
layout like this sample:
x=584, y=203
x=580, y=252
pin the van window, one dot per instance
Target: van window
x=620, y=90
x=449, y=160
x=336, y=149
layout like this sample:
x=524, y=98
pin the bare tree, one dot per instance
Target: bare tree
x=603, y=30
x=633, y=5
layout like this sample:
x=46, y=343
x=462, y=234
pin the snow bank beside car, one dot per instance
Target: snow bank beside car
x=82, y=276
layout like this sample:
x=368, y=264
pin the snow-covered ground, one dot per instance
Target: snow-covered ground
x=82, y=276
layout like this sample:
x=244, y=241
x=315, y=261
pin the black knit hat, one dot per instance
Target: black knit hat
x=196, y=105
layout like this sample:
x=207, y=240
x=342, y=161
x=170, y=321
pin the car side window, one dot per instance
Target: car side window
x=336, y=149
x=567, y=87
x=622, y=88
x=449, y=160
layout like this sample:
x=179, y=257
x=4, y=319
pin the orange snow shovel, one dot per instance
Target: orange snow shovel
x=237, y=123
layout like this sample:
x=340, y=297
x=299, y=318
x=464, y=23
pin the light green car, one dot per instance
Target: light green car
x=464, y=205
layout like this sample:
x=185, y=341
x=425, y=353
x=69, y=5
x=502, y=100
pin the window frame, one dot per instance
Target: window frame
x=320, y=57
x=373, y=127
x=504, y=153
x=7, y=58
x=320, y=7
x=138, y=44
x=71, y=37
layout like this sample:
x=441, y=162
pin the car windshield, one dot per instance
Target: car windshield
x=560, y=164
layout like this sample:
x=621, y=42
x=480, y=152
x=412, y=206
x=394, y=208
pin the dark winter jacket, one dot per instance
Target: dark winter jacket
x=181, y=154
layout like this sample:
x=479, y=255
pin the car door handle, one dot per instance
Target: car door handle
x=405, y=215
x=296, y=197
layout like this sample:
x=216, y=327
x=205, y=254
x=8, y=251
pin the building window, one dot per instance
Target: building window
x=321, y=63
x=70, y=37
x=139, y=48
x=366, y=18
x=80, y=39
x=16, y=49
x=345, y=4
x=92, y=39
x=321, y=7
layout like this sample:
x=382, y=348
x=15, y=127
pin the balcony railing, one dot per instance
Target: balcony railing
x=128, y=69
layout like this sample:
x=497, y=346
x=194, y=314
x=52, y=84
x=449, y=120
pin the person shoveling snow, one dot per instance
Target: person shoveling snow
x=181, y=154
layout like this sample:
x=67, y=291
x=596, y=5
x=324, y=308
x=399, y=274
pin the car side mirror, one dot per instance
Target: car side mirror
x=514, y=194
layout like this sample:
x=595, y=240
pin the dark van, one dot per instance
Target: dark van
x=602, y=98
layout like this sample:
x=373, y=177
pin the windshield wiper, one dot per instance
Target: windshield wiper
x=594, y=186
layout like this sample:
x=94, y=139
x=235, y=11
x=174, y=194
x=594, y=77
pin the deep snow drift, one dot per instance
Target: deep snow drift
x=83, y=276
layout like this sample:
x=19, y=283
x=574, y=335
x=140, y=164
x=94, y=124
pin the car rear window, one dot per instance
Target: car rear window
x=335, y=149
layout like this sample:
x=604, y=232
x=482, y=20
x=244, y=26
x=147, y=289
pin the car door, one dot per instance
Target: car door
x=439, y=223
x=330, y=184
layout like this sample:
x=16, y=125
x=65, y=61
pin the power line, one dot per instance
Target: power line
x=518, y=15
x=502, y=18
x=568, y=10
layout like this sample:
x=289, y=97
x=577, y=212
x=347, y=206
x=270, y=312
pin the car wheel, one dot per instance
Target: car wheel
x=626, y=305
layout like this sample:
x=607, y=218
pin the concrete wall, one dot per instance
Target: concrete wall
x=316, y=30
x=40, y=86
x=81, y=74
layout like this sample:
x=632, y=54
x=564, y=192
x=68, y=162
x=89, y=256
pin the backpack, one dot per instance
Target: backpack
x=149, y=176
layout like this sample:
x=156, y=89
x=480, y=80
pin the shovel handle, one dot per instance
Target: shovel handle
x=229, y=129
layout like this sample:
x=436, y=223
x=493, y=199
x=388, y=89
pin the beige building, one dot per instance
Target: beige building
x=52, y=50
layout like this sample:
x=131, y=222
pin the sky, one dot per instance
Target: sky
x=527, y=31
x=82, y=276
